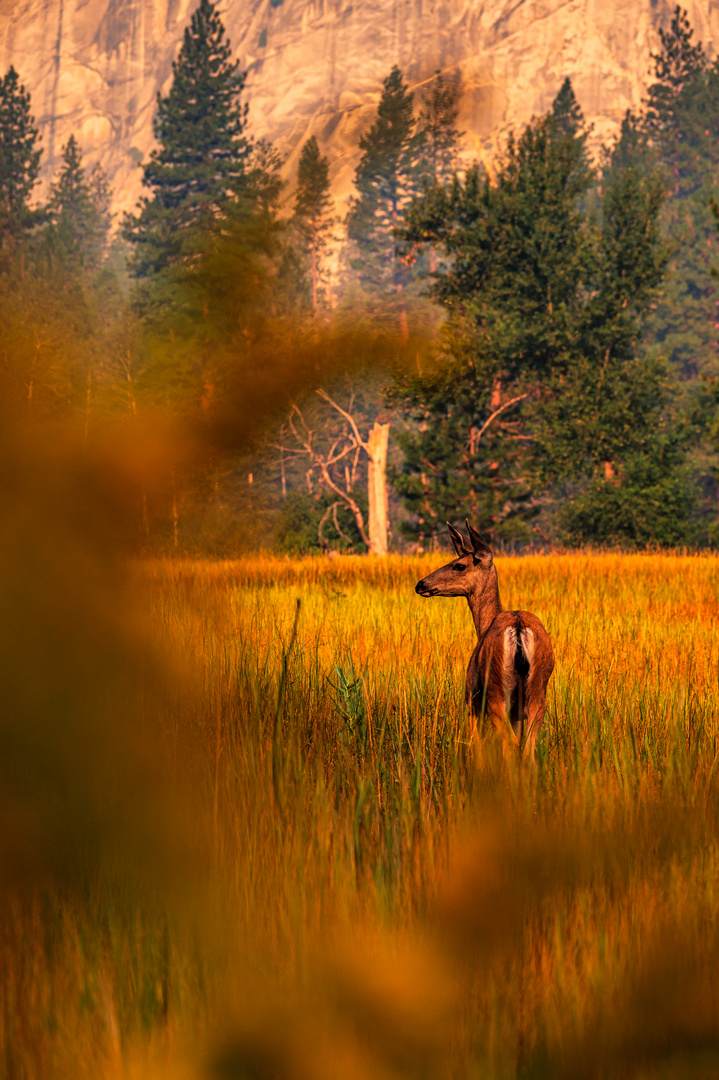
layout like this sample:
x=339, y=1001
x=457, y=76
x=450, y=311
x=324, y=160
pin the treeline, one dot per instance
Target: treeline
x=532, y=346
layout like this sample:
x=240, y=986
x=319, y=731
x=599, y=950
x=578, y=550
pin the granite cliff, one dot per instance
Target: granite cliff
x=94, y=67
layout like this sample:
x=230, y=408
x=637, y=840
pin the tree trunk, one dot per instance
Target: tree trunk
x=377, y=488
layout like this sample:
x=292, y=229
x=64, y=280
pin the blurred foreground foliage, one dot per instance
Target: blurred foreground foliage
x=246, y=837
x=259, y=838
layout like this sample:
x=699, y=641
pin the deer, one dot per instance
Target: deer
x=512, y=662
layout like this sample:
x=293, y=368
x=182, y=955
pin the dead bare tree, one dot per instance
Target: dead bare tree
x=375, y=447
x=347, y=446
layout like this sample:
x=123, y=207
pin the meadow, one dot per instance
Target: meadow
x=344, y=879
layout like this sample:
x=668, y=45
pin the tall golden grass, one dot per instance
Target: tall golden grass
x=350, y=882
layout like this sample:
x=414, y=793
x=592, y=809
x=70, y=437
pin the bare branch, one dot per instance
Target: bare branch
x=354, y=466
x=303, y=421
x=357, y=513
x=306, y=443
x=347, y=450
x=496, y=413
x=337, y=525
x=320, y=527
x=322, y=465
x=348, y=417
x=285, y=450
x=434, y=468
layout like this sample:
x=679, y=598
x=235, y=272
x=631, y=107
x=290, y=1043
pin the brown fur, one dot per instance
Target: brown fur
x=519, y=701
x=512, y=662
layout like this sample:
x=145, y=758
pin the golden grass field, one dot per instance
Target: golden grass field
x=338, y=879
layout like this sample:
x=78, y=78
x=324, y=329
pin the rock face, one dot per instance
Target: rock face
x=94, y=67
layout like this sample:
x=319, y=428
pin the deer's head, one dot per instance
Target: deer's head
x=465, y=575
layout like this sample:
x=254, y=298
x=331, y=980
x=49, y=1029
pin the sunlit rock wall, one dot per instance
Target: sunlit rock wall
x=94, y=67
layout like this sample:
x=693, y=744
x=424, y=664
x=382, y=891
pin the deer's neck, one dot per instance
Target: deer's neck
x=485, y=604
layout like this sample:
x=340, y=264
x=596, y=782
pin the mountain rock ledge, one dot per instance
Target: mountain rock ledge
x=94, y=67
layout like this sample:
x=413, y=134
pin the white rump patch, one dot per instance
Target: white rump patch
x=508, y=673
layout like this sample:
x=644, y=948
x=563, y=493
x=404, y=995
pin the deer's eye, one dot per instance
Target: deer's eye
x=460, y=567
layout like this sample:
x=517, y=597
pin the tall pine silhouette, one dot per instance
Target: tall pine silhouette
x=437, y=138
x=385, y=180
x=312, y=219
x=203, y=150
x=19, y=164
x=681, y=126
x=79, y=212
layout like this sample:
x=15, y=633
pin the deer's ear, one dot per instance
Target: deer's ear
x=481, y=548
x=460, y=544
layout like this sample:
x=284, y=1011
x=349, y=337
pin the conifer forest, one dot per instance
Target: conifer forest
x=536, y=347
x=250, y=828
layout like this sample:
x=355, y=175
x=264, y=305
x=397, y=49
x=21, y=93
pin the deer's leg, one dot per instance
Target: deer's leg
x=535, y=719
x=489, y=706
x=507, y=731
x=500, y=718
x=487, y=693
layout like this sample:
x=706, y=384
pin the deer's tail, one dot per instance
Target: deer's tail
x=518, y=659
x=524, y=648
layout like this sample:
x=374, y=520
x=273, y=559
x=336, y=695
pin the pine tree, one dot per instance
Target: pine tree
x=680, y=133
x=567, y=117
x=517, y=247
x=79, y=212
x=677, y=66
x=631, y=147
x=517, y=254
x=542, y=384
x=312, y=219
x=101, y=196
x=19, y=163
x=385, y=182
x=435, y=150
x=436, y=140
x=203, y=150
